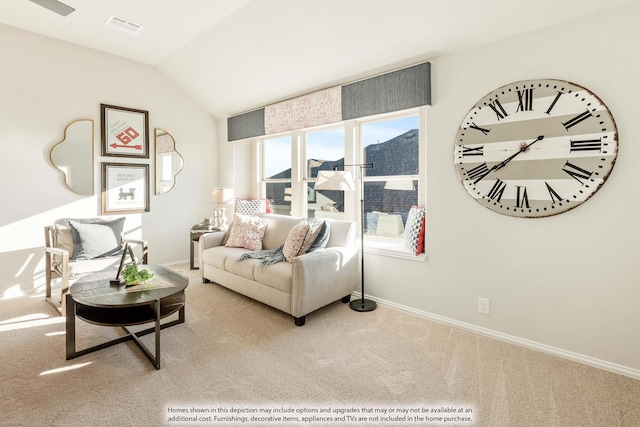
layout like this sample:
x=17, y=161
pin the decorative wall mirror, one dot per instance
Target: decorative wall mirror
x=168, y=161
x=73, y=156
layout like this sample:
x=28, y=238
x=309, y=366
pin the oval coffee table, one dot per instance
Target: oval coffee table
x=94, y=300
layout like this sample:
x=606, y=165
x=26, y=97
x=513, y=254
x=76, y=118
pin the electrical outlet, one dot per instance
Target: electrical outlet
x=484, y=306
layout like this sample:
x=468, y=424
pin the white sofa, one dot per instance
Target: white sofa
x=309, y=282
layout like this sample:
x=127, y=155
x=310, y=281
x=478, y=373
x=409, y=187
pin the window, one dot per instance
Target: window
x=290, y=165
x=391, y=186
x=276, y=173
x=323, y=149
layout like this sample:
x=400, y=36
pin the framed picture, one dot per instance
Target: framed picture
x=125, y=132
x=125, y=188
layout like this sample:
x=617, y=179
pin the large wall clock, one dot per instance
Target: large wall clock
x=536, y=148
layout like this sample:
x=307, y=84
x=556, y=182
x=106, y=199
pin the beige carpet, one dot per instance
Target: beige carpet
x=235, y=353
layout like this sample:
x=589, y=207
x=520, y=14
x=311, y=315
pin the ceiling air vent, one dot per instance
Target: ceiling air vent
x=123, y=25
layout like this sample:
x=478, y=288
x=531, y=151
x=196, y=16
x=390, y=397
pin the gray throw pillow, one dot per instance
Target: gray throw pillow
x=322, y=238
x=98, y=239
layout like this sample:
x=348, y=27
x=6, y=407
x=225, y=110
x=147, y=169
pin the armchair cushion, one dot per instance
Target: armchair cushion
x=96, y=240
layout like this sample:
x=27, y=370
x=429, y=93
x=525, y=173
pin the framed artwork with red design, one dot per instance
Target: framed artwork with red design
x=125, y=132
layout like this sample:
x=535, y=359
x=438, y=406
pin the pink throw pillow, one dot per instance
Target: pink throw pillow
x=247, y=232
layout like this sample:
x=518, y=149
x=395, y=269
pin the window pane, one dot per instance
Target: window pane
x=277, y=157
x=279, y=196
x=392, y=146
x=387, y=204
x=324, y=203
x=323, y=149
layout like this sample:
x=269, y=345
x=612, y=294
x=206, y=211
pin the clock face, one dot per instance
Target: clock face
x=536, y=148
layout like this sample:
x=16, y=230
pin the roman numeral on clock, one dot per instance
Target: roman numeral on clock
x=555, y=197
x=522, y=200
x=525, y=100
x=472, y=151
x=478, y=172
x=553, y=103
x=576, y=172
x=586, y=145
x=476, y=127
x=577, y=119
x=496, y=191
x=498, y=109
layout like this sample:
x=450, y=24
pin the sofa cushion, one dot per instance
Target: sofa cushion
x=247, y=232
x=322, y=237
x=227, y=233
x=217, y=256
x=302, y=236
x=277, y=276
x=96, y=240
x=242, y=268
x=316, y=227
x=278, y=229
x=295, y=241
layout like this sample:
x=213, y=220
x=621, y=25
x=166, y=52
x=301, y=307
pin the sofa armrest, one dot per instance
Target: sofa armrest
x=321, y=277
x=209, y=240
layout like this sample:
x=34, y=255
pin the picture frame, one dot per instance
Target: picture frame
x=125, y=132
x=125, y=188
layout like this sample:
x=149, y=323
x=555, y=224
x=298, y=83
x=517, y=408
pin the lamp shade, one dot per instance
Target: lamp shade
x=335, y=180
x=222, y=196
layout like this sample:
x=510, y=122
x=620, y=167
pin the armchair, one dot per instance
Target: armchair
x=75, y=247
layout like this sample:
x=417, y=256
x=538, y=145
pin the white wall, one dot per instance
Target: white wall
x=45, y=84
x=570, y=283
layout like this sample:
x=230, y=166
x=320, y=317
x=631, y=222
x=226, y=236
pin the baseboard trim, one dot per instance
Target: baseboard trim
x=512, y=339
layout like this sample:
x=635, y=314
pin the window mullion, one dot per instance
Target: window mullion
x=299, y=196
x=422, y=162
x=351, y=145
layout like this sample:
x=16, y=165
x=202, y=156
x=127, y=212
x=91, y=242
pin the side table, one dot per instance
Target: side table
x=194, y=236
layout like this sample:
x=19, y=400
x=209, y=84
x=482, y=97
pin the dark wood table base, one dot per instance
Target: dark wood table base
x=109, y=306
x=92, y=314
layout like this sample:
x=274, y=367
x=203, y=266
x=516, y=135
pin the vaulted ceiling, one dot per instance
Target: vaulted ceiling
x=235, y=55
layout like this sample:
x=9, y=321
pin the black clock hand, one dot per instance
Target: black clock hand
x=522, y=150
x=508, y=159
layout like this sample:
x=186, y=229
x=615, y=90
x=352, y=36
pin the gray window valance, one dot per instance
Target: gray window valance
x=398, y=90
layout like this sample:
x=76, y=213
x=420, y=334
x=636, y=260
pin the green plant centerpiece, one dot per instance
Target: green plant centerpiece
x=133, y=276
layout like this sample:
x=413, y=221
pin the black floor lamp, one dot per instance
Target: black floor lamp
x=343, y=181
